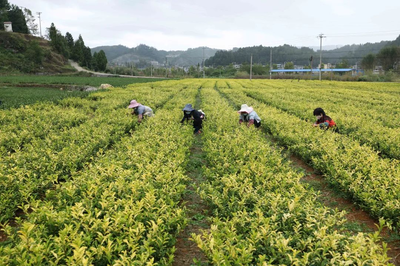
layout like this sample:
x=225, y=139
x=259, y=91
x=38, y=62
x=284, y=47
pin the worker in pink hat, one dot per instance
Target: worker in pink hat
x=248, y=115
x=140, y=110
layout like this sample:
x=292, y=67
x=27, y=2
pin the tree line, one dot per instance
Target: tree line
x=76, y=50
x=385, y=54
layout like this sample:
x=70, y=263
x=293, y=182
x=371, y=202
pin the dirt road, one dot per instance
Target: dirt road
x=99, y=74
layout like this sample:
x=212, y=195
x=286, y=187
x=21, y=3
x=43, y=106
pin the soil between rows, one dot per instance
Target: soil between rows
x=331, y=198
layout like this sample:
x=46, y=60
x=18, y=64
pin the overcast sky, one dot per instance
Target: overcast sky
x=222, y=24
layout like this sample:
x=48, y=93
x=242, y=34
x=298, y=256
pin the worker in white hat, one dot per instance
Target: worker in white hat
x=248, y=115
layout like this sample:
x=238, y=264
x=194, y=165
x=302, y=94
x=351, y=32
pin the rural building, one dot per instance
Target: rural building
x=8, y=26
x=314, y=71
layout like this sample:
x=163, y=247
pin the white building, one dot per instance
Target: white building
x=8, y=26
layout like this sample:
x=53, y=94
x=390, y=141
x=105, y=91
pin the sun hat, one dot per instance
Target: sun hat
x=188, y=107
x=245, y=109
x=133, y=104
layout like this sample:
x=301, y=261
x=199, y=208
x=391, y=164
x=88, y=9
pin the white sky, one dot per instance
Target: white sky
x=222, y=24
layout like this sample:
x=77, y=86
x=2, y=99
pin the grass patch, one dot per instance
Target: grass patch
x=14, y=97
x=72, y=80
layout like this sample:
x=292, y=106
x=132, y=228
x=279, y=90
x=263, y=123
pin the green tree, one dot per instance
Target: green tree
x=57, y=41
x=99, y=61
x=30, y=22
x=289, y=65
x=343, y=64
x=77, y=51
x=94, y=62
x=87, y=57
x=192, y=71
x=70, y=41
x=102, y=61
x=245, y=67
x=388, y=57
x=4, y=7
x=368, y=62
x=16, y=16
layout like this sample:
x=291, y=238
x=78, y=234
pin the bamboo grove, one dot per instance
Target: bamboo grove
x=82, y=183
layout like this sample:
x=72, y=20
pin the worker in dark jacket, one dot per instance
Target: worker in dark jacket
x=324, y=121
x=189, y=113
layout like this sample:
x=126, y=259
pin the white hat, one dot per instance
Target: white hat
x=245, y=109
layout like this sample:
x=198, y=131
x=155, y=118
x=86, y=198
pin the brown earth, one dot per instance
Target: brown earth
x=330, y=198
x=187, y=251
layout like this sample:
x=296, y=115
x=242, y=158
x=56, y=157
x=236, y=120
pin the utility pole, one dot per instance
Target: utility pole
x=320, y=54
x=251, y=66
x=40, y=24
x=270, y=63
x=151, y=70
x=166, y=62
x=204, y=75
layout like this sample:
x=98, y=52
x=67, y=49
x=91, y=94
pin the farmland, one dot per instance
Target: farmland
x=83, y=183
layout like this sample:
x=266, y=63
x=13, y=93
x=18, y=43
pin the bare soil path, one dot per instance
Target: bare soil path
x=187, y=253
x=358, y=219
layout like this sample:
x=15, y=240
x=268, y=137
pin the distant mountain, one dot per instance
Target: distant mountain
x=353, y=53
x=143, y=54
x=112, y=52
x=299, y=56
x=395, y=42
x=333, y=54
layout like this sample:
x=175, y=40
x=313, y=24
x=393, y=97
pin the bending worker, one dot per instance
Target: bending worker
x=140, y=110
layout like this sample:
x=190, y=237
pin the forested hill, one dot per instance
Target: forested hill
x=299, y=56
x=144, y=54
x=24, y=53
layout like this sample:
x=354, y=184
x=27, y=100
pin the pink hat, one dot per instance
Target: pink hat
x=245, y=109
x=133, y=104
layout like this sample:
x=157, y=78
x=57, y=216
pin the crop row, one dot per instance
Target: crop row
x=378, y=106
x=122, y=209
x=373, y=182
x=363, y=124
x=48, y=159
x=263, y=215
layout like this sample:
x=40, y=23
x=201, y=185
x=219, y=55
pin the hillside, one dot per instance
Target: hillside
x=119, y=54
x=299, y=56
x=142, y=54
x=24, y=53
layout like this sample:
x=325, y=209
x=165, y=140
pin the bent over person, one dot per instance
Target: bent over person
x=189, y=113
x=247, y=114
x=140, y=110
x=324, y=121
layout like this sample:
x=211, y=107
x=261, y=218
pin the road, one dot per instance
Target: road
x=99, y=74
